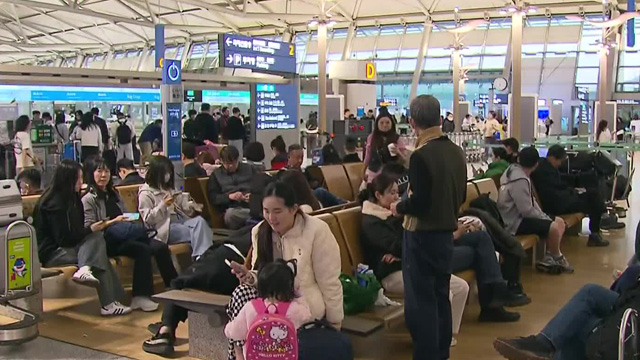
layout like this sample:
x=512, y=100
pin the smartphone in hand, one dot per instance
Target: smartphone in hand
x=132, y=216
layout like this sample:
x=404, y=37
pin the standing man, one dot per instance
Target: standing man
x=36, y=119
x=189, y=127
x=125, y=133
x=223, y=123
x=437, y=183
x=205, y=126
x=236, y=132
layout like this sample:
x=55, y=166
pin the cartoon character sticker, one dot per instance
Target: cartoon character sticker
x=19, y=269
x=18, y=263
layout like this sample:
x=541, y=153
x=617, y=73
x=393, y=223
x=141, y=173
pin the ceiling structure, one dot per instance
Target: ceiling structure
x=33, y=28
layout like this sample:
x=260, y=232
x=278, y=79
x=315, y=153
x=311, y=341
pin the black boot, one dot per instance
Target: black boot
x=518, y=297
x=498, y=315
x=596, y=239
x=502, y=296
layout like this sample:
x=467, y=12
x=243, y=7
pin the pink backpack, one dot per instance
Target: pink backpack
x=272, y=335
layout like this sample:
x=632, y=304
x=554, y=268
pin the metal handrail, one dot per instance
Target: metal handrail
x=629, y=315
x=6, y=254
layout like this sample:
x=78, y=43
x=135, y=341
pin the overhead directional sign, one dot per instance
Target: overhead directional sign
x=262, y=55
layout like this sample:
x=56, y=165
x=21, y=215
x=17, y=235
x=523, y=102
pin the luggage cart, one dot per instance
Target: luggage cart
x=19, y=260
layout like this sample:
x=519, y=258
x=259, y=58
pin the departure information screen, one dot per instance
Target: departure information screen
x=237, y=51
x=174, y=126
x=276, y=106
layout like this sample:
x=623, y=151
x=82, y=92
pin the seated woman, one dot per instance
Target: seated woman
x=382, y=244
x=125, y=238
x=472, y=250
x=281, y=157
x=171, y=213
x=304, y=196
x=64, y=238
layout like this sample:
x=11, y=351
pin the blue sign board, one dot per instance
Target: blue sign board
x=174, y=131
x=171, y=72
x=159, y=44
x=237, y=51
x=61, y=95
x=276, y=106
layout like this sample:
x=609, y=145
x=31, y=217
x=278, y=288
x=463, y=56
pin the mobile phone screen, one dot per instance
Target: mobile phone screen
x=132, y=216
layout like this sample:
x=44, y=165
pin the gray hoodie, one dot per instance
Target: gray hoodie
x=515, y=199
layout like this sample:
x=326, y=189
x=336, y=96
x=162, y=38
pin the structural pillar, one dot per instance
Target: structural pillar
x=455, y=62
x=516, y=74
x=422, y=52
x=322, y=75
x=603, y=84
x=346, y=51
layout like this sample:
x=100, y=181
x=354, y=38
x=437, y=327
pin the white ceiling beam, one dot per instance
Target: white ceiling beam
x=84, y=34
x=173, y=11
x=154, y=17
x=233, y=5
x=69, y=47
x=15, y=16
x=134, y=11
x=141, y=37
x=423, y=7
x=275, y=18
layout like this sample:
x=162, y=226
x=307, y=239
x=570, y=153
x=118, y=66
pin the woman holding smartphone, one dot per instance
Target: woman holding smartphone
x=125, y=237
x=173, y=214
x=65, y=238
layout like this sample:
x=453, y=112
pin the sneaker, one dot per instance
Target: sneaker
x=143, y=303
x=84, y=277
x=159, y=344
x=564, y=265
x=528, y=348
x=613, y=226
x=549, y=265
x=114, y=309
x=498, y=315
x=597, y=240
x=454, y=342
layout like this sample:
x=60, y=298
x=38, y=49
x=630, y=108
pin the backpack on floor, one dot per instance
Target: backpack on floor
x=318, y=340
x=603, y=341
x=272, y=335
x=123, y=133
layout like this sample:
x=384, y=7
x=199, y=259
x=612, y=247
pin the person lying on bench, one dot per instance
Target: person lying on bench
x=382, y=243
x=557, y=198
x=522, y=214
x=173, y=214
x=125, y=238
x=229, y=187
x=65, y=239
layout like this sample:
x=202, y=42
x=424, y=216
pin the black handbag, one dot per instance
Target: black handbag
x=318, y=340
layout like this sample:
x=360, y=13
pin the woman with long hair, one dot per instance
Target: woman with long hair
x=279, y=149
x=173, y=214
x=64, y=238
x=125, y=238
x=90, y=136
x=603, y=134
x=61, y=131
x=383, y=145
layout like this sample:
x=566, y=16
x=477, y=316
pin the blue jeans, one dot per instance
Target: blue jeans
x=326, y=198
x=569, y=330
x=426, y=271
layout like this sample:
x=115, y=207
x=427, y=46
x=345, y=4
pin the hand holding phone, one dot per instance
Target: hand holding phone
x=132, y=216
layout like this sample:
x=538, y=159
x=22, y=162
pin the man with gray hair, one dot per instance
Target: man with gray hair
x=437, y=186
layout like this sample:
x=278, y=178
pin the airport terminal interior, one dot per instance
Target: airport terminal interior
x=319, y=179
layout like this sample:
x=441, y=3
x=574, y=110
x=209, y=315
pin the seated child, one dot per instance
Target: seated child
x=275, y=287
x=350, y=146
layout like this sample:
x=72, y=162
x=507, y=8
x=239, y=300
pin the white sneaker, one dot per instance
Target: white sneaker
x=114, y=309
x=143, y=303
x=454, y=342
x=84, y=277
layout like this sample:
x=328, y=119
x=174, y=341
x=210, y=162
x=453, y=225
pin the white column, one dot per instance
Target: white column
x=603, y=84
x=346, y=51
x=322, y=76
x=455, y=61
x=516, y=74
x=422, y=52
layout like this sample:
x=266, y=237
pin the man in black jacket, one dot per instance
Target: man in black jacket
x=205, y=126
x=128, y=173
x=557, y=198
x=438, y=182
x=235, y=131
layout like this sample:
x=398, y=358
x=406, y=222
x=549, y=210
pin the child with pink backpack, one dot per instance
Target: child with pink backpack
x=269, y=323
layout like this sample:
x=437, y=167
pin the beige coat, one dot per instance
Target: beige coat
x=155, y=215
x=312, y=244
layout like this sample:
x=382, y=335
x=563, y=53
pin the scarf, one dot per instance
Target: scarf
x=411, y=222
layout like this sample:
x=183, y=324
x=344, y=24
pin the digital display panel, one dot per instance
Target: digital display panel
x=193, y=96
x=276, y=106
x=174, y=135
x=237, y=51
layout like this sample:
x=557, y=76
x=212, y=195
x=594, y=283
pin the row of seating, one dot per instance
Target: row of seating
x=335, y=177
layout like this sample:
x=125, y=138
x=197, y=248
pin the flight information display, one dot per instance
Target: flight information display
x=276, y=106
x=237, y=51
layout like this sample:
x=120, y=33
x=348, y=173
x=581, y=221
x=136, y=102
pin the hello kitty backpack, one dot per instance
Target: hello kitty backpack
x=272, y=335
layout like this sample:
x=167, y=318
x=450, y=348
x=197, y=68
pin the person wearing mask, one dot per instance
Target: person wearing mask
x=205, y=127
x=498, y=166
x=438, y=182
x=22, y=147
x=281, y=158
x=254, y=155
x=491, y=127
x=383, y=145
x=350, y=147
x=558, y=198
x=124, y=237
x=90, y=137
x=104, y=129
x=35, y=117
x=127, y=173
x=603, y=134
x=189, y=127
x=125, y=133
x=65, y=239
x=448, y=125
x=191, y=167
x=47, y=119
x=173, y=214
x=512, y=145
x=150, y=140
x=523, y=216
x=235, y=131
x=229, y=188
x=29, y=182
x=223, y=124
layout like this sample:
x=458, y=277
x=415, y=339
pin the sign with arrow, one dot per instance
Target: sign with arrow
x=260, y=55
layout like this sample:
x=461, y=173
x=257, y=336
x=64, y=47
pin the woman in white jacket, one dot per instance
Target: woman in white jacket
x=287, y=233
x=89, y=135
x=171, y=213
